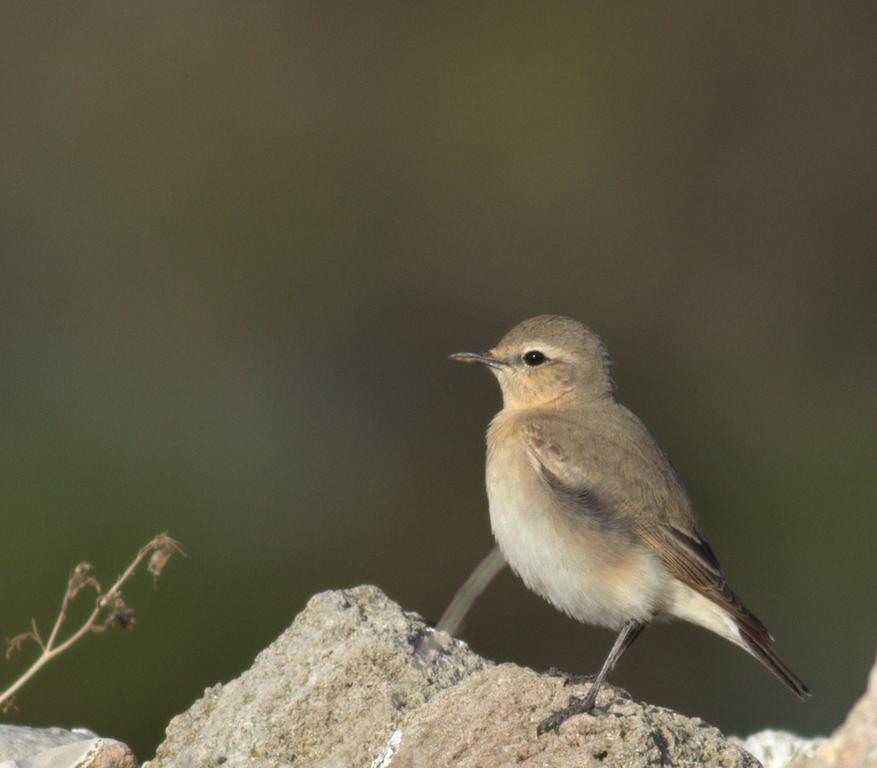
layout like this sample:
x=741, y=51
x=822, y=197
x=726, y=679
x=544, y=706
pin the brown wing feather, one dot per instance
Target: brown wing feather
x=691, y=560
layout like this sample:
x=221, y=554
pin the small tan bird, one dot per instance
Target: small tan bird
x=587, y=509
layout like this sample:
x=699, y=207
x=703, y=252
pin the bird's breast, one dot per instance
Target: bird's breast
x=595, y=575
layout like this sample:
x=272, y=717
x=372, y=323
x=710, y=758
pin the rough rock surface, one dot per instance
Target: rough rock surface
x=489, y=720
x=328, y=692
x=854, y=743
x=343, y=686
x=23, y=741
x=776, y=749
x=24, y=747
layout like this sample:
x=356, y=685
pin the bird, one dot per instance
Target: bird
x=587, y=509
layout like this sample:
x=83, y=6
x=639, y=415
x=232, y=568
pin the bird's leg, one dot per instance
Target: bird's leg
x=629, y=633
x=471, y=589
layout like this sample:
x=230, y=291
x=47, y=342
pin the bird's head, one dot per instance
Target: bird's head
x=545, y=358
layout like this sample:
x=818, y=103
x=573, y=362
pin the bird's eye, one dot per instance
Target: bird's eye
x=534, y=357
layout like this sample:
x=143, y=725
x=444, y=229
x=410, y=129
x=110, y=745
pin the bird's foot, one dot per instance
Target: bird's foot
x=570, y=678
x=576, y=706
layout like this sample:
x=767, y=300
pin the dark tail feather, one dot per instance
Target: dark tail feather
x=758, y=644
x=757, y=640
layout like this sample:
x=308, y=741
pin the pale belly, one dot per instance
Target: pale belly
x=595, y=576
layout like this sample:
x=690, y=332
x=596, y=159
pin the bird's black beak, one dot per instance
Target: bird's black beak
x=482, y=358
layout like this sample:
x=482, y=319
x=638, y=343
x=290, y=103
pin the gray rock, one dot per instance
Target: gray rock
x=23, y=741
x=329, y=691
x=489, y=720
x=24, y=747
x=344, y=687
x=854, y=743
x=776, y=749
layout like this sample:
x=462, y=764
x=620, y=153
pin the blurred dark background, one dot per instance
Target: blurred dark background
x=240, y=240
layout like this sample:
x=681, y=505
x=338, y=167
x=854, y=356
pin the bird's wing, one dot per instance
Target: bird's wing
x=573, y=488
x=638, y=491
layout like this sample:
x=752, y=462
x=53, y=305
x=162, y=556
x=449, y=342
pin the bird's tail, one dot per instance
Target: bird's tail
x=752, y=636
x=718, y=609
x=758, y=643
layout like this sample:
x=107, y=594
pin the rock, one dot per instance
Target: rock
x=23, y=747
x=329, y=691
x=343, y=686
x=776, y=749
x=854, y=743
x=18, y=741
x=489, y=720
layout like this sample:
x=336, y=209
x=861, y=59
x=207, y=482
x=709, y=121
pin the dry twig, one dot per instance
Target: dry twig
x=109, y=610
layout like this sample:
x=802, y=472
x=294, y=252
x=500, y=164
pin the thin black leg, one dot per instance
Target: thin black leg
x=629, y=633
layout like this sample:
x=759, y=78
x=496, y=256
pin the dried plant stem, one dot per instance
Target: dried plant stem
x=479, y=580
x=160, y=549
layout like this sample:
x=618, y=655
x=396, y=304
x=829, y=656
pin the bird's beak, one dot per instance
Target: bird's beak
x=483, y=358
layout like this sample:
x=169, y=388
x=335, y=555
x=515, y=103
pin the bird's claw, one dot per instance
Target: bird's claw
x=576, y=706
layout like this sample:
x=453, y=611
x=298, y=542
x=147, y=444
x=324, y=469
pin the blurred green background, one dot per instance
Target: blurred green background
x=240, y=240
